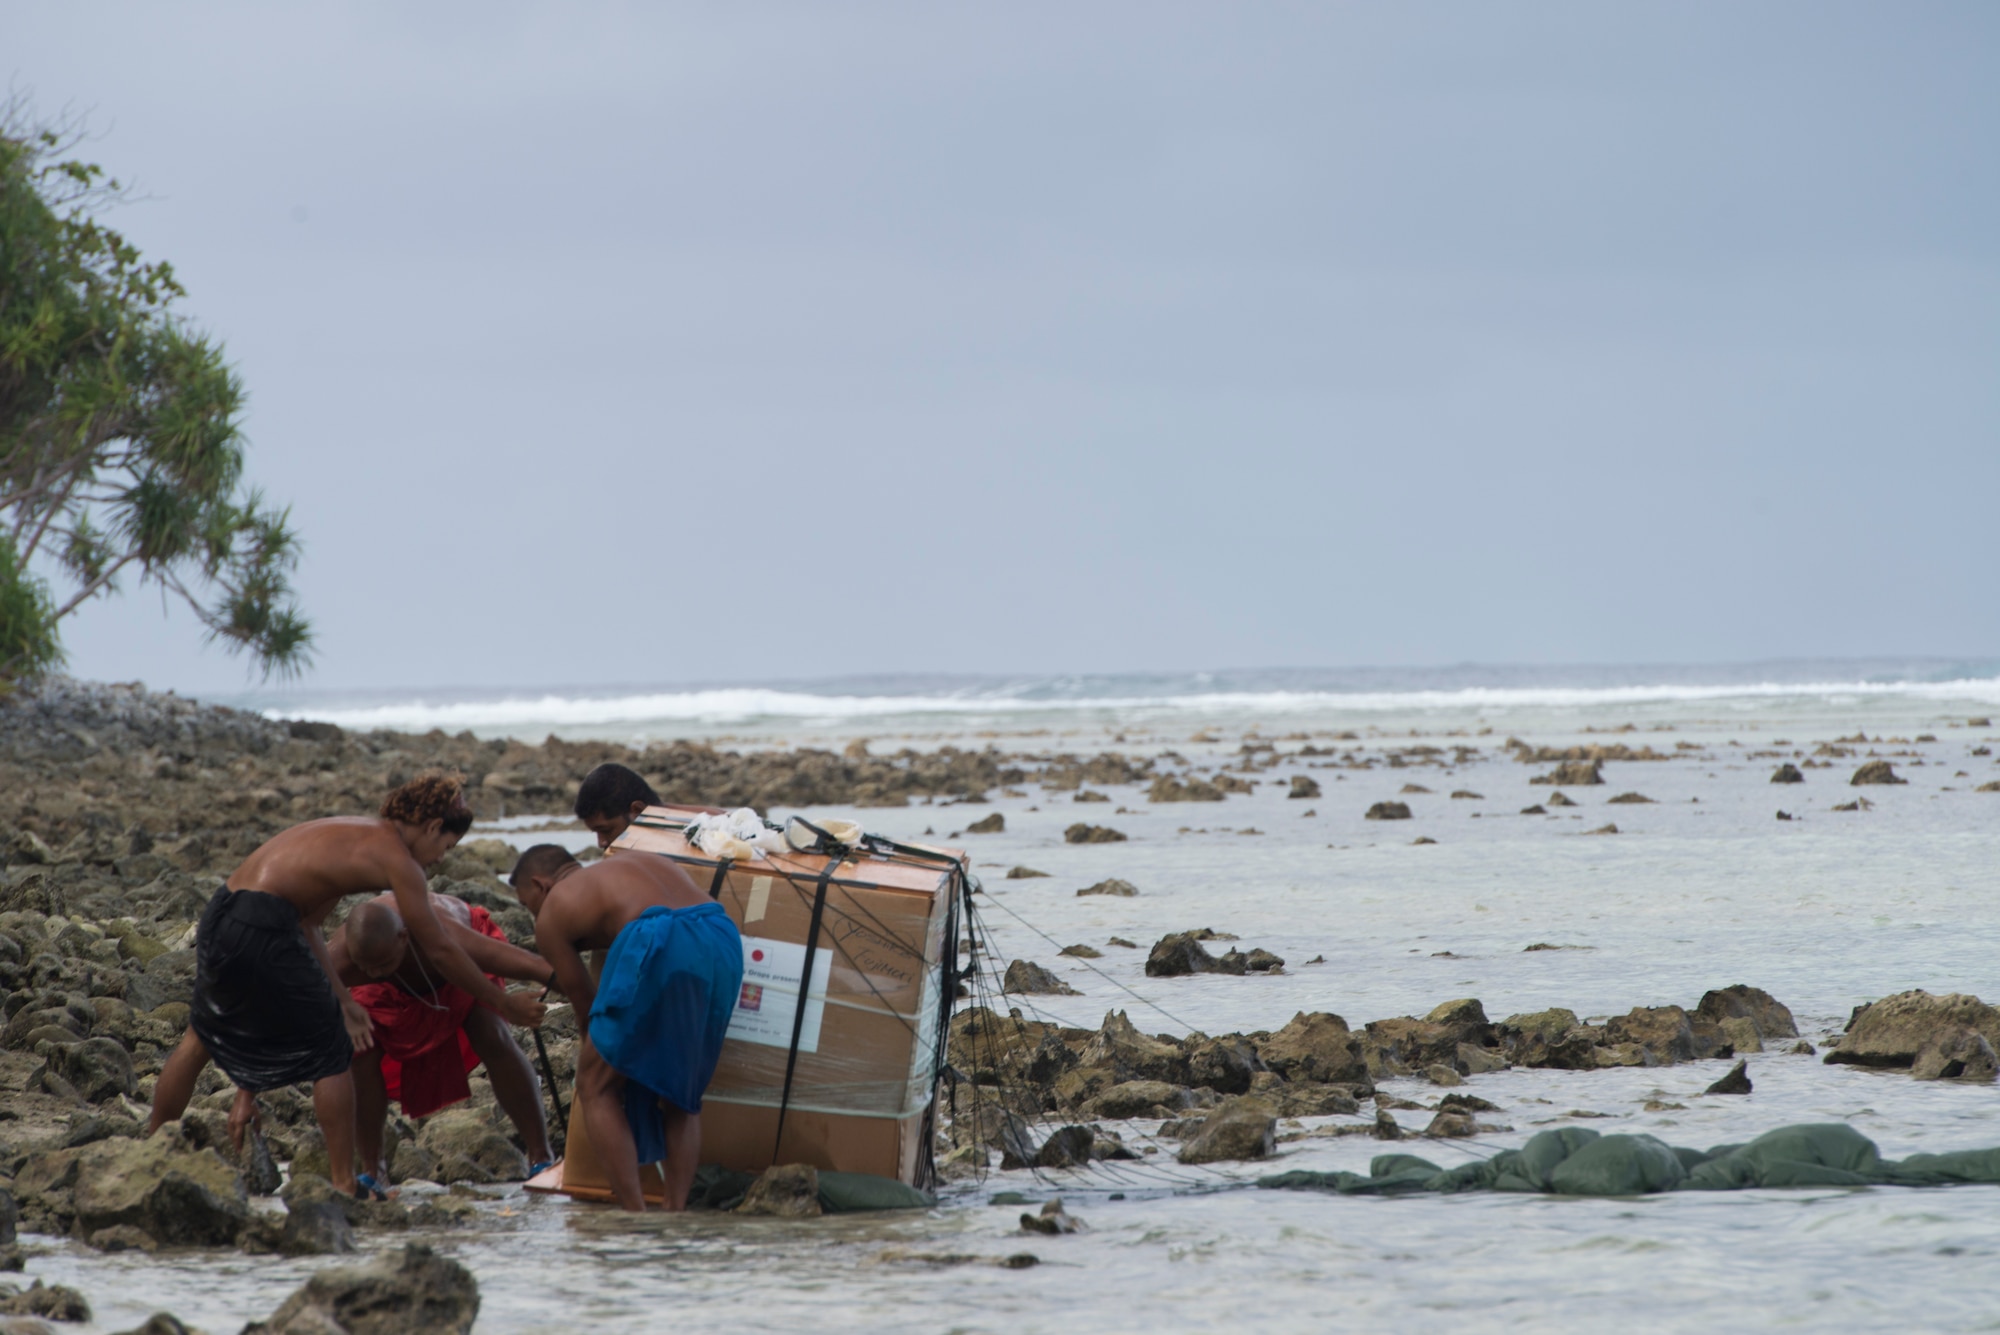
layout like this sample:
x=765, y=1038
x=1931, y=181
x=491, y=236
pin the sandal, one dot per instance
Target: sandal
x=366, y=1188
x=536, y=1170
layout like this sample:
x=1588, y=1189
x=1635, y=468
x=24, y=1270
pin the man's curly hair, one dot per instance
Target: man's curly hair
x=434, y=795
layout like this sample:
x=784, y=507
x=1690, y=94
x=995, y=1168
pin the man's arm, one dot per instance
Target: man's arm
x=413, y=901
x=492, y=955
x=555, y=940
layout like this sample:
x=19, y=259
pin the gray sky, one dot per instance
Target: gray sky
x=652, y=343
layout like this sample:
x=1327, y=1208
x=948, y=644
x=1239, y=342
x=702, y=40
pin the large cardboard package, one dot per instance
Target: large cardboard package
x=852, y=1075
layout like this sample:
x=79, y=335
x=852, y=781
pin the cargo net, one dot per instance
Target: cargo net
x=1023, y=1091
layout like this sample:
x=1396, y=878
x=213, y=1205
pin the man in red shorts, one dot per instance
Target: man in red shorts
x=429, y=1034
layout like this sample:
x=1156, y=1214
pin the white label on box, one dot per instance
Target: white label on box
x=760, y=899
x=768, y=1004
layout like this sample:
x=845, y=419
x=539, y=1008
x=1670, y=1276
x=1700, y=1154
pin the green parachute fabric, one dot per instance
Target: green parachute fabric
x=1575, y=1161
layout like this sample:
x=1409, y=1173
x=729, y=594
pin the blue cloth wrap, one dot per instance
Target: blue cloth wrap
x=670, y=984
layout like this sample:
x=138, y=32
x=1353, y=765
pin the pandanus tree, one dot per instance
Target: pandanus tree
x=121, y=450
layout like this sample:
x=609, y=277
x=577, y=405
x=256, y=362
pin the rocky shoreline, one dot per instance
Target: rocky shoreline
x=121, y=809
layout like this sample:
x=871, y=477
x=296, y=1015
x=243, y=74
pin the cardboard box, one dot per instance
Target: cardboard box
x=864, y=1081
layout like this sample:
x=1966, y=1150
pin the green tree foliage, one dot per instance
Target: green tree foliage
x=121, y=454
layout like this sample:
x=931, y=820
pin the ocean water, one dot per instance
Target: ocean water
x=1701, y=887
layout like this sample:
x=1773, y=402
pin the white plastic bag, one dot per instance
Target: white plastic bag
x=739, y=835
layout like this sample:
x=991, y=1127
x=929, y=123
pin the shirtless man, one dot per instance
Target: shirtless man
x=430, y=1034
x=673, y=968
x=267, y=1004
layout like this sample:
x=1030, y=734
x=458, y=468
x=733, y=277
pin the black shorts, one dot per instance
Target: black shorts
x=263, y=1005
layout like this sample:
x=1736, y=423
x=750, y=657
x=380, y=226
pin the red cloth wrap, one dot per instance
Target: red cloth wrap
x=425, y=1053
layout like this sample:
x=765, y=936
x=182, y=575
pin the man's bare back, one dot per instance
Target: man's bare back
x=316, y=865
x=584, y=908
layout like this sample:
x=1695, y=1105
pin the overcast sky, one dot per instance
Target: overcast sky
x=650, y=343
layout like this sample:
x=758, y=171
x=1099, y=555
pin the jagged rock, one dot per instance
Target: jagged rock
x=1892, y=1031
x=1473, y=1059
x=1082, y=952
x=1959, y=1053
x=1787, y=773
x=1448, y=1125
x=412, y=1161
x=409, y=1292
x=1238, y=1128
x=1441, y=1074
x=1603, y=829
x=466, y=1133
x=1385, y=1127
x=1573, y=774
x=97, y=1068
x=1168, y=789
x=1052, y=1219
x=1122, y=1050
x=1081, y=833
x=787, y=1191
x=1535, y=810
x=1769, y=1016
x=57, y=1302
x=1550, y=1039
x=10, y=1216
x=1561, y=799
x=988, y=1125
x=1225, y=1065
x=1181, y=953
x=1024, y=874
x=1630, y=800
x=1136, y=1098
x=1110, y=886
x=1317, y=1048
x=1068, y=1147
x=1031, y=979
x=1388, y=811
x=1311, y=1100
x=122, y=1238
x=1091, y=795
x=1467, y=1103
x=1736, y=1082
x=1404, y=1044
x=175, y=1196
x=1875, y=771
x=318, y=1221
x=161, y=1323
x=1663, y=1031
x=993, y=824
x=1304, y=785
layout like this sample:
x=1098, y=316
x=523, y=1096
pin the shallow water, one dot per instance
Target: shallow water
x=1825, y=912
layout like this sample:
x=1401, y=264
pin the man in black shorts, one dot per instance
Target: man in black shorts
x=268, y=1005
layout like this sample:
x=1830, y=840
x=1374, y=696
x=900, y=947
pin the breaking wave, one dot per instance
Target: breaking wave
x=1019, y=703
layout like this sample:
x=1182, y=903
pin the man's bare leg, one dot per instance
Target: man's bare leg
x=333, y=1101
x=175, y=1088
x=514, y=1084
x=683, y=1155
x=601, y=1095
x=371, y=1110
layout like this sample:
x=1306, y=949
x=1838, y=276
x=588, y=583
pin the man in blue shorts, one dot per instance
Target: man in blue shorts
x=673, y=968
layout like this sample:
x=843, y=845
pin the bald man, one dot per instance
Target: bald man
x=429, y=1034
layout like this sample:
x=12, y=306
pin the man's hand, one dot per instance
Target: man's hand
x=243, y=1114
x=360, y=1029
x=523, y=1009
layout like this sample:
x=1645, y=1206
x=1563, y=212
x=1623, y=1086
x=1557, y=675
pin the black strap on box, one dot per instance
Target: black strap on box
x=721, y=875
x=805, y=993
